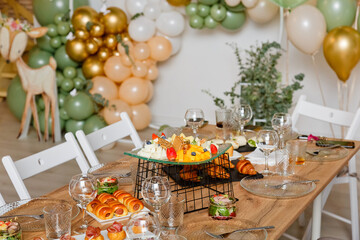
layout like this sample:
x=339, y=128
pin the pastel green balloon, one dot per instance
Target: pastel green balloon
x=233, y=21
x=52, y=30
x=55, y=42
x=63, y=60
x=63, y=114
x=69, y=72
x=208, y=2
x=67, y=85
x=61, y=99
x=210, y=22
x=80, y=73
x=196, y=22
x=38, y=58
x=337, y=12
x=40, y=103
x=45, y=10
x=41, y=115
x=191, y=9
x=59, y=78
x=238, y=8
x=63, y=28
x=94, y=123
x=288, y=3
x=72, y=125
x=15, y=98
x=44, y=43
x=203, y=10
x=80, y=106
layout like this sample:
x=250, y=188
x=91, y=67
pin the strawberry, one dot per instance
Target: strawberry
x=171, y=153
x=154, y=136
x=163, y=134
x=213, y=149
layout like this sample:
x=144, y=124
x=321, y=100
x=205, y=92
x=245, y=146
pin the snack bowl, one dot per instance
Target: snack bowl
x=222, y=207
x=10, y=230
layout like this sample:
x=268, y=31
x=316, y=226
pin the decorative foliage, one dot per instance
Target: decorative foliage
x=14, y=24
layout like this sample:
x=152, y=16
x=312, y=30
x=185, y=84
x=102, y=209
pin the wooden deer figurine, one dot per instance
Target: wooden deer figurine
x=34, y=80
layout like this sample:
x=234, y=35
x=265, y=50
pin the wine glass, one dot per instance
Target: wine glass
x=82, y=189
x=281, y=122
x=156, y=191
x=267, y=141
x=194, y=118
x=242, y=113
x=143, y=225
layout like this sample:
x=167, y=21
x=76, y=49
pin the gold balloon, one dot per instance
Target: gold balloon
x=103, y=54
x=115, y=21
x=179, y=2
x=110, y=41
x=93, y=67
x=97, y=30
x=82, y=34
x=83, y=15
x=98, y=40
x=125, y=36
x=76, y=50
x=91, y=46
x=115, y=53
x=342, y=50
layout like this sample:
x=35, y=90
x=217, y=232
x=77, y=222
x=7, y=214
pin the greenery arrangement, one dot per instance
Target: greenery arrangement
x=259, y=82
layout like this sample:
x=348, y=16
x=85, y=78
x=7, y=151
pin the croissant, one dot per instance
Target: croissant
x=135, y=205
x=224, y=162
x=106, y=197
x=245, y=167
x=189, y=173
x=104, y=212
x=120, y=197
x=119, y=209
x=218, y=172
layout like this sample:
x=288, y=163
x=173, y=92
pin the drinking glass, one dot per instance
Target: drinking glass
x=172, y=213
x=194, y=118
x=57, y=219
x=281, y=122
x=242, y=114
x=267, y=141
x=156, y=191
x=143, y=225
x=82, y=189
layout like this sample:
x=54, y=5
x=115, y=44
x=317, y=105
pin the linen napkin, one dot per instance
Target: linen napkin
x=258, y=157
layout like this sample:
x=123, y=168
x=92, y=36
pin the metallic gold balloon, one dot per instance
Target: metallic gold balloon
x=115, y=53
x=179, y=2
x=82, y=16
x=115, y=21
x=98, y=40
x=125, y=36
x=97, y=30
x=82, y=34
x=76, y=50
x=104, y=53
x=110, y=41
x=93, y=67
x=91, y=46
x=342, y=50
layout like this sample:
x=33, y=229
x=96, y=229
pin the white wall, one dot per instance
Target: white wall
x=206, y=62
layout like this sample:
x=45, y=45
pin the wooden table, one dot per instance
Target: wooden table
x=263, y=211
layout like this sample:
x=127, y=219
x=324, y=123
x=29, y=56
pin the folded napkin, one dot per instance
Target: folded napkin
x=258, y=157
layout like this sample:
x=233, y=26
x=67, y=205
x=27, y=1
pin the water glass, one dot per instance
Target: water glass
x=194, y=118
x=156, y=191
x=297, y=151
x=242, y=114
x=285, y=166
x=223, y=121
x=143, y=225
x=281, y=122
x=172, y=213
x=267, y=142
x=57, y=220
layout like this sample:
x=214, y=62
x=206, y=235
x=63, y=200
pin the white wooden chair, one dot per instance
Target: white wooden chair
x=2, y=201
x=352, y=122
x=42, y=161
x=109, y=134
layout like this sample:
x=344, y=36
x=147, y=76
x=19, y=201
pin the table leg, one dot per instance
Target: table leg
x=316, y=218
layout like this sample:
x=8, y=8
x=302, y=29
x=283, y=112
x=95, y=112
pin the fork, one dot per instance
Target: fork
x=38, y=217
x=293, y=182
x=225, y=235
x=316, y=152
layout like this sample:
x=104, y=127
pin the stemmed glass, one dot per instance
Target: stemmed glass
x=281, y=122
x=194, y=118
x=242, y=113
x=267, y=141
x=143, y=225
x=156, y=191
x=82, y=189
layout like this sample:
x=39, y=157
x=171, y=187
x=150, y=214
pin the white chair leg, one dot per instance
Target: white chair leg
x=2, y=201
x=354, y=208
x=316, y=218
x=307, y=233
x=301, y=220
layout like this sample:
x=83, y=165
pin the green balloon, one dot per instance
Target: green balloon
x=63, y=39
x=238, y=8
x=63, y=28
x=45, y=10
x=61, y=99
x=210, y=22
x=208, y=2
x=203, y=10
x=59, y=78
x=55, y=42
x=67, y=85
x=93, y=123
x=79, y=83
x=80, y=106
x=72, y=125
x=38, y=58
x=42, y=122
x=289, y=3
x=80, y=74
x=337, y=12
x=16, y=97
x=40, y=103
x=191, y=9
x=233, y=21
x=196, y=22
x=63, y=60
x=52, y=30
x=44, y=43
x=58, y=18
x=69, y=72
x=63, y=114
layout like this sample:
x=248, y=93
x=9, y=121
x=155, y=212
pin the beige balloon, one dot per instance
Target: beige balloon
x=249, y=3
x=139, y=69
x=263, y=12
x=150, y=92
x=232, y=3
x=311, y=2
x=113, y=110
x=306, y=28
x=133, y=91
x=141, y=116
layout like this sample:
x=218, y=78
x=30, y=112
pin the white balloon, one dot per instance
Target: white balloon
x=165, y=6
x=141, y=29
x=249, y=3
x=176, y=43
x=152, y=11
x=170, y=23
x=232, y=3
x=154, y=1
x=135, y=6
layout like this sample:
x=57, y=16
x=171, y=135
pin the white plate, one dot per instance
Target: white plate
x=104, y=233
x=235, y=155
x=114, y=218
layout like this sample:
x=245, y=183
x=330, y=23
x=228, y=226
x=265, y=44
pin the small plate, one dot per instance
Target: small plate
x=114, y=218
x=33, y=207
x=327, y=155
x=196, y=230
x=264, y=187
x=103, y=233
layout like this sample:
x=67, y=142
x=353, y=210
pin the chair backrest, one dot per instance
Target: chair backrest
x=109, y=134
x=42, y=161
x=326, y=114
x=2, y=201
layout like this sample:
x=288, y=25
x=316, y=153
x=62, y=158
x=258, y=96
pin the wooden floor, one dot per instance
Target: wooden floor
x=45, y=182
